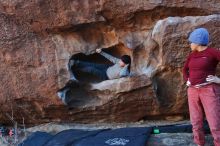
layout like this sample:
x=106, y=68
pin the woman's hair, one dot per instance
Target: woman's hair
x=127, y=60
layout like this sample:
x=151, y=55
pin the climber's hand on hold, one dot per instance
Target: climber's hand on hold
x=213, y=79
x=98, y=50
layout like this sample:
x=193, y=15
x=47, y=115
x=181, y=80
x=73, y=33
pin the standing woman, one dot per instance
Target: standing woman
x=204, y=87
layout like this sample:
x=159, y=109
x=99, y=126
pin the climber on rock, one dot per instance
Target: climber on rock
x=120, y=68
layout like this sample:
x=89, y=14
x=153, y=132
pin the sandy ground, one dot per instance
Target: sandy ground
x=163, y=139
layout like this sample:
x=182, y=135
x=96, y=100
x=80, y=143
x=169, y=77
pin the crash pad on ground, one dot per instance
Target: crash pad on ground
x=106, y=137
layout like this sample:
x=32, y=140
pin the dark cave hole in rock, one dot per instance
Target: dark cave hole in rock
x=93, y=58
x=116, y=51
x=80, y=95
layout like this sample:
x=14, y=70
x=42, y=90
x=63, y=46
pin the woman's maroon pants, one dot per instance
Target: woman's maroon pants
x=206, y=100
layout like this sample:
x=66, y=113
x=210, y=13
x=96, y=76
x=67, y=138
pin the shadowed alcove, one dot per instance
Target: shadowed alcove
x=85, y=92
x=116, y=51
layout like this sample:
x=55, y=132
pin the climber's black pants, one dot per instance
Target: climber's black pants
x=95, y=69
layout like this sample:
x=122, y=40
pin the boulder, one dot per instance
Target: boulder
x=37, y=39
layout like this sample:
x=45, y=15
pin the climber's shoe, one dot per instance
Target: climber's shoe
x=72, y=62
x=62, y=95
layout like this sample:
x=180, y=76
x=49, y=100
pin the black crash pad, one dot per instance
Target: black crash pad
x=180, y=128
x=118, y=137
x=107, y=137
x=36, y=139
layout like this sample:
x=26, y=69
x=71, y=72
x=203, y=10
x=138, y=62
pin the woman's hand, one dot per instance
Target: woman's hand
x=188, y=83
x=98, y=50
x=213, y=79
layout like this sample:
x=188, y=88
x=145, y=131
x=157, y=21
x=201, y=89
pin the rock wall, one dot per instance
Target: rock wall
x=38, y=37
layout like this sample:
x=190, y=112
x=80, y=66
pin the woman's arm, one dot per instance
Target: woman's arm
x=108, y=56
x=216, y=53
x=186, y=70
x=211, y=78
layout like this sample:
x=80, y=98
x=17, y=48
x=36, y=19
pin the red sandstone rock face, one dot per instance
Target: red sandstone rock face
x=38, y=37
